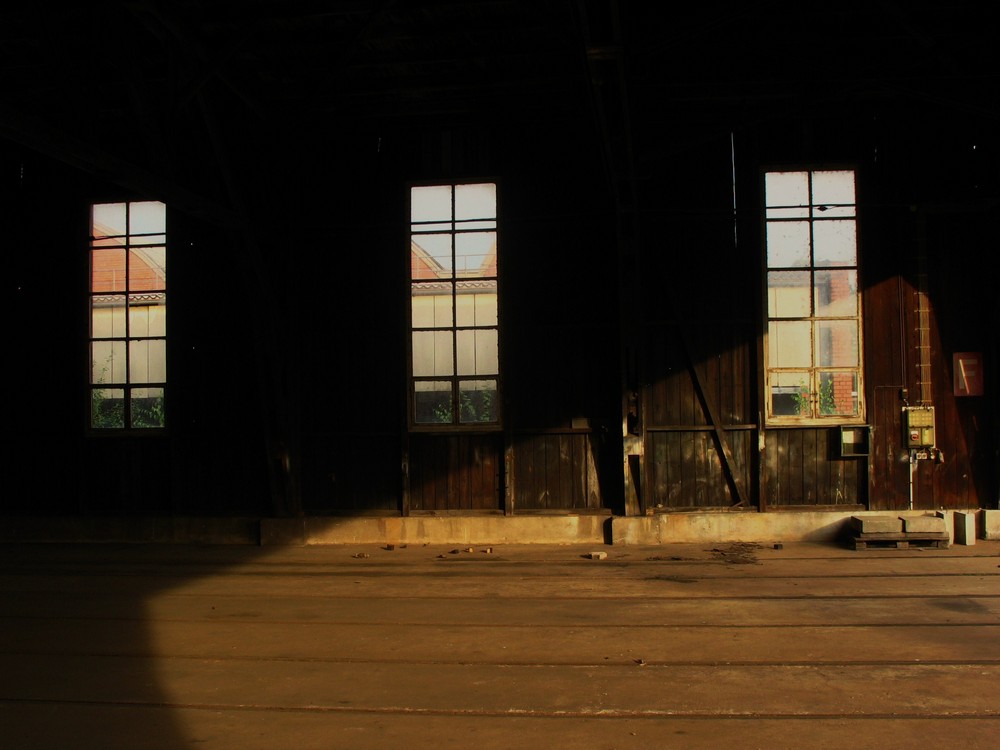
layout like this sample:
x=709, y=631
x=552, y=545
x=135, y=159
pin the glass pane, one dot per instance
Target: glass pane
x=147, y=269
x=835, y=243
x=476, y=303
x=787, y=244
x=833, y=193
x=838, y=393
x=107, y=317
x=107, y=362
x=787, y=190
x=108, y=220
x=432, y=353
x=430, y=203
x=477, y=352
x=790, y=395
x=430, y=306
x=147, y=317
x=430, y=256
x=789, y=343
x=477, y=401
x=476, y=201
x=147, y=361
x=147, y=407
x=147, y=217
x=432, y=402
x=836, y=293
x=107, y=407
x=107, y=270
x=837, y=343
x=475, y=254
x=788, y=294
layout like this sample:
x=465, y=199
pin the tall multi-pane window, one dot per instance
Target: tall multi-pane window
x=128, y=315
x=454, y=330
x=813, y=343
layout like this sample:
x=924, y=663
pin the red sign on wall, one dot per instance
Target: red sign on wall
x=968, y=369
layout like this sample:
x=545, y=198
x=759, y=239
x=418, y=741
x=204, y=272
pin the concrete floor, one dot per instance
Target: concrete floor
x=536, y=646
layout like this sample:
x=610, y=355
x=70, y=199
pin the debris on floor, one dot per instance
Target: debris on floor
x=738, y=553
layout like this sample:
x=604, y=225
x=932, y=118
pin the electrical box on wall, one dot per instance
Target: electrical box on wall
x=919, y=422
x=855, y=440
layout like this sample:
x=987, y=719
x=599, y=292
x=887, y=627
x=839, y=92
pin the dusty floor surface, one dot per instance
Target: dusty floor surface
x=675, y=646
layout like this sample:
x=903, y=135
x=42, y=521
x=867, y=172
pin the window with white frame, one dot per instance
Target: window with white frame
x=454, y=325
x=128, y=315
x=813, y=341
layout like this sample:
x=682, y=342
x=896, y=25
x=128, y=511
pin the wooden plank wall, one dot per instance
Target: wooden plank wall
x=555, y=471
x=351, y=473
x=683, y=465
x=802, y=466
x=684, y=468
x=455, y=473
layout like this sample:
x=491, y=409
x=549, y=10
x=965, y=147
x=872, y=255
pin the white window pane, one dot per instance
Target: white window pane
x=147, y=269
x=430, y=256
x=148, y=318
x=838, y=394
x=147, y=407
x=107, y=318
x=837, y=343
x=836, y=293
x=786, y=189
x=835, y=243
x=147, y=361
x=478, y=401
x=431, y=306
x=147, y=217
x=477, y=352
x=788, y=294
x=107, y=362
x=432, y=402
x=430, y=203
x=432, y=353
x=475, y=201
x=107, y=408
x=108, y=219
x=789, y=343
x=476, y=303
x=107, y=270
x=790, y=394
x=787, y=244
x=833, y=188
x=475, y=254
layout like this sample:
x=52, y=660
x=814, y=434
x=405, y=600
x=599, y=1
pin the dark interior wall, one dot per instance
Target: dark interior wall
x=288, y=292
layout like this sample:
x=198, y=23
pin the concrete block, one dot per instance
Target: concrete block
x=989, y=524
x=877, y=524
x=598, y=555
x=924, y=524
x=965, y=527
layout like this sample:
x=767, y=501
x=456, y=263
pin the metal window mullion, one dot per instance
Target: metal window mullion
x=455, y=416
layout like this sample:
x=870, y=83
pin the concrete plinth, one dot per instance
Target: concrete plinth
x=925, y=524
x=584, y=529
x=989, y=524
x=965, y=527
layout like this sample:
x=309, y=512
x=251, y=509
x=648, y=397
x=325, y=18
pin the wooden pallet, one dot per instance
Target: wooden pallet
x=900, y=540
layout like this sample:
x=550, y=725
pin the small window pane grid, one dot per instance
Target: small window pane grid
x=813, y=340
x=454, y=322
x=128, y=305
